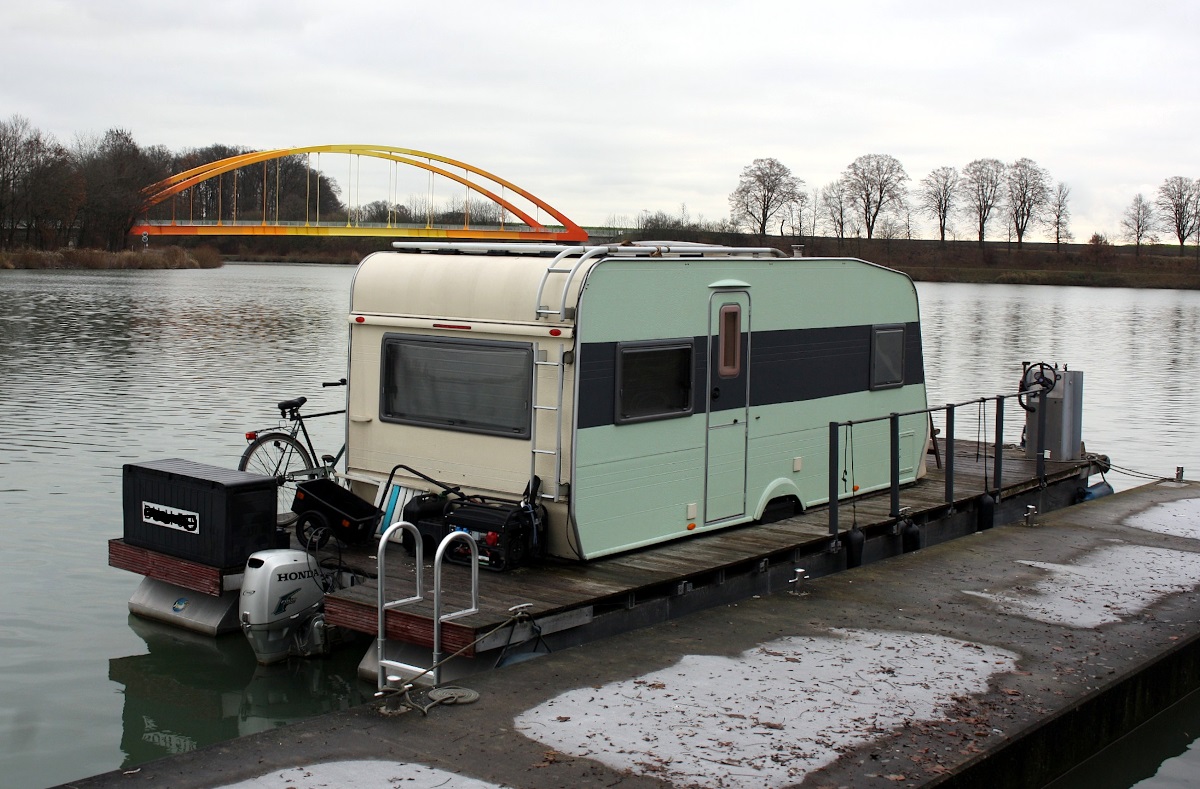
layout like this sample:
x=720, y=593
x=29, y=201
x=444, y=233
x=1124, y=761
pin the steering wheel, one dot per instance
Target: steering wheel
x=1039, y=378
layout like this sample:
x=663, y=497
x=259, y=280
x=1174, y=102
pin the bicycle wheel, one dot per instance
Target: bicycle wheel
x=277, y=455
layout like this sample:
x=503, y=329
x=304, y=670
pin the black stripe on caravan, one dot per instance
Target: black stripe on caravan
x=785, y=366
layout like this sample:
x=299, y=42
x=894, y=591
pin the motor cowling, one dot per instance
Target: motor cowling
x=283, y=590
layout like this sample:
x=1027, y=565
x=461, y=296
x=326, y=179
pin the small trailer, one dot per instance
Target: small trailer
x=641, y=392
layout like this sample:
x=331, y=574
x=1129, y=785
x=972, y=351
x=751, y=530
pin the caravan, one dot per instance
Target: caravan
x=641, y=392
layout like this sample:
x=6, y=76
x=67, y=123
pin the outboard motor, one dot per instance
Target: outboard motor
x=283, y=593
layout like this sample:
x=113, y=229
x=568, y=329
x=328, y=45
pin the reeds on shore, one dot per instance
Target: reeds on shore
x=157, y=258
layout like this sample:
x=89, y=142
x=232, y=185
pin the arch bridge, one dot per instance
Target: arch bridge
x=271, y=207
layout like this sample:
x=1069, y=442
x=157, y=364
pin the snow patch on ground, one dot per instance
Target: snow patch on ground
x=1103, y=587
x=1176, y=518
x=769, y=716
x=361, y=775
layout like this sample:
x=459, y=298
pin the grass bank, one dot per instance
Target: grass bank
x=163, y=258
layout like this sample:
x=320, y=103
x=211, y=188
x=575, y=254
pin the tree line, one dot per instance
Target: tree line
x=89, y=194
x=873, y=198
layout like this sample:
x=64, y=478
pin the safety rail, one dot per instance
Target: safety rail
x=383, y=678
x=895, y=512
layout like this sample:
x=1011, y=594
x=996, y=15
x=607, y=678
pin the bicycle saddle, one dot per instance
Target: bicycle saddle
x=288, y=405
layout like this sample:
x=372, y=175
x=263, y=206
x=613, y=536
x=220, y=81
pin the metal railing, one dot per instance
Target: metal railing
x=1038, y=399
x=383, y=680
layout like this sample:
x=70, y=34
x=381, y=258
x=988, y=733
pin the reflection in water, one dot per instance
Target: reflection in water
x=190, y=690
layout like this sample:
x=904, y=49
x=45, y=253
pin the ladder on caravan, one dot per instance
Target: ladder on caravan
x=555, y=493
x=567, y=267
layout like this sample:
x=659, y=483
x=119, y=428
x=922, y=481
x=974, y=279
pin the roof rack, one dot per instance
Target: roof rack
x=568, y=259
x=630, y=248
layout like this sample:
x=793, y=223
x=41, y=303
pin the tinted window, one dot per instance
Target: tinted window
x=654, y=381
x=887, y=356
x=478, y=387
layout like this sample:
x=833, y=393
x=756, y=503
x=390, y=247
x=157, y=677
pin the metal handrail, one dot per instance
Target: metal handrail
x=438, y=616
x=894, y=446
x=384, y=603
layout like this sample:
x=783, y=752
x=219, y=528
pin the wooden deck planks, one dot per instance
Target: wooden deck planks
x=559, y=586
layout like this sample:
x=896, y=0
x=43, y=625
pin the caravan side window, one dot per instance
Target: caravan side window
x=468, y=385
x=887, y=356
x=654, y=380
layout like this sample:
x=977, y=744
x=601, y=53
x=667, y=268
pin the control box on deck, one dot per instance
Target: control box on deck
x=202, y=513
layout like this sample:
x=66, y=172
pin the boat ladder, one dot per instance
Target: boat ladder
x=407, y=673
x=540, y=360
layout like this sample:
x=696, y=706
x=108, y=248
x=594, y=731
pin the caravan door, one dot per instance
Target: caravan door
x=728, y=405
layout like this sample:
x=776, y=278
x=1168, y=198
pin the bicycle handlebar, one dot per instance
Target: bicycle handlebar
x=338, y=382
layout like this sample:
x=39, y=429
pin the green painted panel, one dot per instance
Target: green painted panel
x=636, y=299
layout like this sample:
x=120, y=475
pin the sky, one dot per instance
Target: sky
x=606, y=110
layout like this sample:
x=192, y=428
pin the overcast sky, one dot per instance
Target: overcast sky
x=611, y=108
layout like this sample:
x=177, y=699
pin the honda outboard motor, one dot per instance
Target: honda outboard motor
x=283, y=593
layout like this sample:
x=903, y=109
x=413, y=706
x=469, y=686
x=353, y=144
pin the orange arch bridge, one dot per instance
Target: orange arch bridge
x=478, y=183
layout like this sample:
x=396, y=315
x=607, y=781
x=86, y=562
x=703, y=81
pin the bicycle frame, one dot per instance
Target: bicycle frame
x=297, y=427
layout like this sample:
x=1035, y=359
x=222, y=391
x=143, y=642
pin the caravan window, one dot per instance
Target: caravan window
x=473, y=386
x=887, y=356
x=729, y=341
x=654, y=380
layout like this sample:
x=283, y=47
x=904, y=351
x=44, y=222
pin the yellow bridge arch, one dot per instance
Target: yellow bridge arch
x=485, y=186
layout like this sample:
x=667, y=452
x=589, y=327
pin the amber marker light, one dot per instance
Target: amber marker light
x=691, y=526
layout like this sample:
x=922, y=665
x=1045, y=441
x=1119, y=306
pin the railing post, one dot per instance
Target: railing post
x=1041, y=441
x=833, y=479
x=894, y=421
x=950, y=453
x=997, y=467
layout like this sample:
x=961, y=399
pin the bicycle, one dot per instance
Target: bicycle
x=278, y=452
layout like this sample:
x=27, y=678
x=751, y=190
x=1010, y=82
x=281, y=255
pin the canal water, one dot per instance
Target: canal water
x=99, y=369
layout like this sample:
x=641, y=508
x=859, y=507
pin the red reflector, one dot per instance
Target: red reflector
x=299, y=494
x=250, y=436
x=492, y=538
x=360, y=319
x=555, y=332
x=462, y=326
x=345, y=524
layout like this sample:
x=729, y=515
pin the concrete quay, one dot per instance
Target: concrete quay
x=998, y=659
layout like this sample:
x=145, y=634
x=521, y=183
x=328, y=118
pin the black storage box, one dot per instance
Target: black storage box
x=202, y=513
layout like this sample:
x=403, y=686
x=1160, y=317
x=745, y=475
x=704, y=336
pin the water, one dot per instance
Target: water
x=105, y=368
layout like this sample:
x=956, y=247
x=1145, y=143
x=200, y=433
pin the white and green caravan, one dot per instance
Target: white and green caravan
x=657, y=390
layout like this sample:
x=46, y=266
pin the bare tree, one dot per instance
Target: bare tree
x=937, y=194
x=795, y=218
x=16, y=138
x=1058, y=215
x=1178, y=212
x=1138, y=223
x=836, y=207
x=874, y=184
x=765, y=192
x=983, y=181
x=1028, y=192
